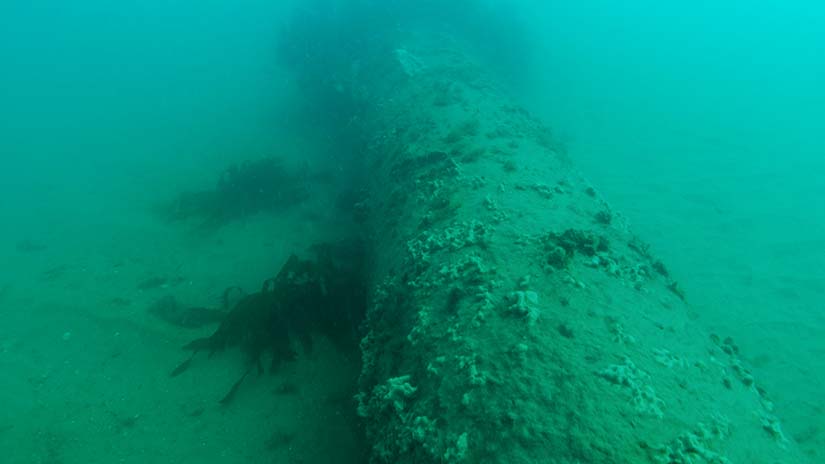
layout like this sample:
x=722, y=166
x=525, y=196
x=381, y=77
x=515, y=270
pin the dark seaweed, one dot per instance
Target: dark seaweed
x=324, y=296
x=169, y=310
x=251, y=187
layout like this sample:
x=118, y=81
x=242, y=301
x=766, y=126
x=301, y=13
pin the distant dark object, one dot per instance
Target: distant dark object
x=286, y=389
x=659, y=267
x=30, y=246
x=118, y=301
x=156, y=282
x=565, y=330
x=603, y=217
x=279, y=439
x=674, y=287
x=252, y=187
x=54, y=273
x=323, y=296
x=169, y=310
x=152, y=283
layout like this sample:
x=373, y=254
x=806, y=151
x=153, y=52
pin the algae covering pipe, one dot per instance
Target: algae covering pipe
x=514, y=317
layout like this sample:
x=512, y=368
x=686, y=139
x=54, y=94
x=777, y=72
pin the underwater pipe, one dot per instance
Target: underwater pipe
x=514, y=317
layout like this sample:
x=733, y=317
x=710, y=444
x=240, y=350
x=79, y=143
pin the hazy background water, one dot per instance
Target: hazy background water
x=106, y=97
x=701, y=121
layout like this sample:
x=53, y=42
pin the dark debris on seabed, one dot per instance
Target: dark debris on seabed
x=243, y=189
x=324, y=295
